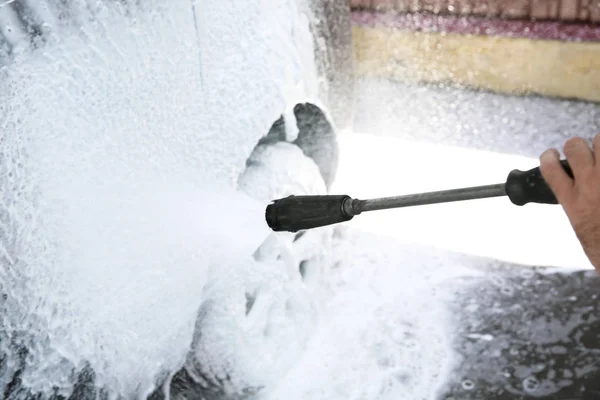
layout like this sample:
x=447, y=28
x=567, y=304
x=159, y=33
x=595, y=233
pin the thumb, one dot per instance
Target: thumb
x=555, y=176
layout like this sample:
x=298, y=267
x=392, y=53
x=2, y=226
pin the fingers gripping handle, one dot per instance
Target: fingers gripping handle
x=296, y=213
x=524, y=187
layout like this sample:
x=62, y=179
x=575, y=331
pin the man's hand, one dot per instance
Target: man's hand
x=579, y=197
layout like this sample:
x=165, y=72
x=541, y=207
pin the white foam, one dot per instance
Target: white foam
x=124, y=140
x=385, y=333
x=124, y=137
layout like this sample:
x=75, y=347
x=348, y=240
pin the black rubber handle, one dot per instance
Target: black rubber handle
x=296, y=213
x=524, y=187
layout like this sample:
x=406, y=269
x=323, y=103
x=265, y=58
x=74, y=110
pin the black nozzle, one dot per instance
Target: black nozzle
x=296, y=213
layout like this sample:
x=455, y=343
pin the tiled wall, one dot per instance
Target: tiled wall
x=566, y=10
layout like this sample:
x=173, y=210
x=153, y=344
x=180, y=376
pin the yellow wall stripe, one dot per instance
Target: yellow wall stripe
x=501, y=64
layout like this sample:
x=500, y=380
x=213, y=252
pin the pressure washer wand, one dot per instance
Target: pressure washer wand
x=295, y=213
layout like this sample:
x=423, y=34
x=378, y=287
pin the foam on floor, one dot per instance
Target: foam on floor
x=386, y=332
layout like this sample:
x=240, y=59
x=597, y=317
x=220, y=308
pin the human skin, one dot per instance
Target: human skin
x=579, y=197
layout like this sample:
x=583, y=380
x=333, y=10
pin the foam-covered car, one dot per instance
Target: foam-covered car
x=128, y=128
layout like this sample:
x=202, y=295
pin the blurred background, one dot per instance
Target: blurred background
x=481, y=87
x=454, y=93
